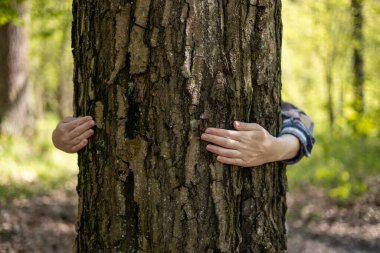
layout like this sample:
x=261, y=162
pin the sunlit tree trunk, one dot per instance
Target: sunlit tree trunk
x=15, y=93
x=358, y=61
x=155, y=74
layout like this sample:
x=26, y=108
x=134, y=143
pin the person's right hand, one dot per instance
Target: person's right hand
x=71, y=134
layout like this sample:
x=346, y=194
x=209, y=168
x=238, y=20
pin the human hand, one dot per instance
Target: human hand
x=249, y=145
x=71, y=134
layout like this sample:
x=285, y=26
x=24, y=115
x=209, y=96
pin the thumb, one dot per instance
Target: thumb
x=243, y=126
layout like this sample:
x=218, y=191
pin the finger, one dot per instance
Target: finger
x=81, y=137
x=243, y=126
x=230, y=161
x=81, y=129
x=79, y=146
x=232, y=134
x=232, y=153
x=77, y=122
x=220, y=141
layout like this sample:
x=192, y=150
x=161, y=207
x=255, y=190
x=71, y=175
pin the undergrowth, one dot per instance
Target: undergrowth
x=340, y=164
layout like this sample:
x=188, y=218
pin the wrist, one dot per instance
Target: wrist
x=286, y=147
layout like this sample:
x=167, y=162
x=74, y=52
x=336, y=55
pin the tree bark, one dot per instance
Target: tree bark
x=15, y=92
x=155, y=75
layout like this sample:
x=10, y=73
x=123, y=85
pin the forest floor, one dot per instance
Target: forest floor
x=315, y=223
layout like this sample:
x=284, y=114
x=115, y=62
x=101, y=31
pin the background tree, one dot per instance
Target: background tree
x=155, y=74
x=15, y=91
x=51, y=57
x=357, y=58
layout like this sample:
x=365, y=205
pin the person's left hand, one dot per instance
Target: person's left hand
x=71, y=134
x=247, y=146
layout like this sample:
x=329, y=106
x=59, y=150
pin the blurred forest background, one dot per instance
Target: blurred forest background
x=331, y=62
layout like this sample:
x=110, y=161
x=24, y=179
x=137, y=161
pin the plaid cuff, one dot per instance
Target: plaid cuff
x=295, y=127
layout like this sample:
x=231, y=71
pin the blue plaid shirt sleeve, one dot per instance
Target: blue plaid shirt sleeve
x=297, y=123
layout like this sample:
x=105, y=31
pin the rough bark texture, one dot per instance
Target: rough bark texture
x=155, y=74
x=15, y=93
x=357, y=59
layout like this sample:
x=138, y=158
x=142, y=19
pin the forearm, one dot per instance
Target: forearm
x=297, y=123
x=286, y=147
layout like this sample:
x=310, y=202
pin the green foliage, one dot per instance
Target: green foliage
x=340, y=164
x=30, y=167
x=10, y=12
x=318, y=43
x=7, y=13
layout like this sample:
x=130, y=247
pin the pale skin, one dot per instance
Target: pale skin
x=71, y=134
x=248, y=145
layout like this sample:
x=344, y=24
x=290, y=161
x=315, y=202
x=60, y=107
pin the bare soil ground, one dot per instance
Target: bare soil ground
x=315, y=223
x=318, y=225
x=42, y=224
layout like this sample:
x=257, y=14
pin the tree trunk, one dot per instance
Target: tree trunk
x=155, y=75
x=330, y=100
x=358, y=61
x=15, y=93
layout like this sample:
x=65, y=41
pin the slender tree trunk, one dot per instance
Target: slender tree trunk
x=358, y=61
x=155, y=74
x=330, y=100
x=15, y=93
